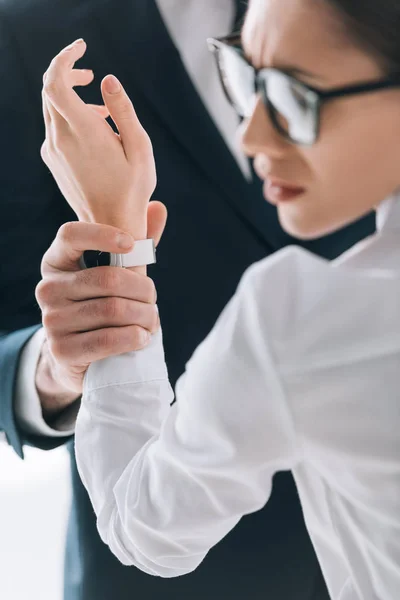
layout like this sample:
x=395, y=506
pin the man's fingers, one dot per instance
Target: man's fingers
x=75, y=237
x=91, y=346
x=156, y=220
x=100, y=282
x=112, y=281
x=99, y=313
x=58, y=87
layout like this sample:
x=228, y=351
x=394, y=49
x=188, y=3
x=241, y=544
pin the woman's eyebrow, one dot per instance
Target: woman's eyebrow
x=288, y=69
x=297, y=71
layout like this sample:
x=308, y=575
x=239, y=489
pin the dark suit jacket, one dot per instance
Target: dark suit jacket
x=218, y=225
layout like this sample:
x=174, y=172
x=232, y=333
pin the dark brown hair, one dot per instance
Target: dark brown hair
x=375, y=25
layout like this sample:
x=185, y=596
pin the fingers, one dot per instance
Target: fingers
x=75, y=237
x=61, y=288
x=54, y=121
x=112, y=281
x=77, y=77
x=100, y=313
x=58, y=84
x=85, y=348
x=134, y=138
x=51, y=116
x=156, y=220
x=81, y=77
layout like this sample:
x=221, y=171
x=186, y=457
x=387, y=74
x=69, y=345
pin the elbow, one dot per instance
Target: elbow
x=143, y=549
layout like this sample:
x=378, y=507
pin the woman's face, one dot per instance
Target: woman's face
x=355, y=163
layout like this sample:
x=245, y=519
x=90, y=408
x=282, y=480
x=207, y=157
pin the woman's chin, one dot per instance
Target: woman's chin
x=301, y=224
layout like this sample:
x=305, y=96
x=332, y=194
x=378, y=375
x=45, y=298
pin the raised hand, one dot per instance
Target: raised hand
x=105, y=177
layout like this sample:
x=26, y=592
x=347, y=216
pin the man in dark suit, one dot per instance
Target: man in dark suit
x=214, y=211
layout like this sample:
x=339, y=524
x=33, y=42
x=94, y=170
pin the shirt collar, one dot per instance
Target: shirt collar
x=388, y=214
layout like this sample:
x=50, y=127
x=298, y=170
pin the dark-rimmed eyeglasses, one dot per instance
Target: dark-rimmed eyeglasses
x=293, y=106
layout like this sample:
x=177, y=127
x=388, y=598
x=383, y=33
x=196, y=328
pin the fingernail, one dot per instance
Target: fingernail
x=124, y=240
x=112, y=85
x=75, y=43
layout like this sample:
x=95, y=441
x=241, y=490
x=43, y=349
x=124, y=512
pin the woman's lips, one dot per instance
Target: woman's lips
x=276, y=191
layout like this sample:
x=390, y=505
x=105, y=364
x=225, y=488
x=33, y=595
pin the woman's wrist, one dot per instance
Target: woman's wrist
x=136, y=226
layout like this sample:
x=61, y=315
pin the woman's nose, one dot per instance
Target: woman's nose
x=260, y=136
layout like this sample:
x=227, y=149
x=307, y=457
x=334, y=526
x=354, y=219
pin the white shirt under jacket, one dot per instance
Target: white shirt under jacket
x=301, y=372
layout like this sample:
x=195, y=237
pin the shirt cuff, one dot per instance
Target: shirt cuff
x=28, y=410
x=136, y=367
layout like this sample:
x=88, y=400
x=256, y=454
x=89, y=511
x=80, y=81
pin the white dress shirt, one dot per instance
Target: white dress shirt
x=189, y=24
x=301, y=373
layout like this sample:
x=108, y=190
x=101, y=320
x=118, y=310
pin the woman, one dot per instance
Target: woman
x=301, y=369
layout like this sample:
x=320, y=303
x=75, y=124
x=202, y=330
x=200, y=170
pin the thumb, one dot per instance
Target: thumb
x=156, y=220
x=123, y=114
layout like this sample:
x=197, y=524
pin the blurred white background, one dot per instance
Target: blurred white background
x=34, y=504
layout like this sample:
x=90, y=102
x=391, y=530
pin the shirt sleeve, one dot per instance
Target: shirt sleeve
x=27, y=405
x=168, y=483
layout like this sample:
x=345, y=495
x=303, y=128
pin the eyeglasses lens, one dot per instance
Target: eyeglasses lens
x=238, y=80
x=292, y=106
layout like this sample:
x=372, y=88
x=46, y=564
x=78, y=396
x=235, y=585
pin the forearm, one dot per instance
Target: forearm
x=166, y=483
x=107, y=430
x=165, y=490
